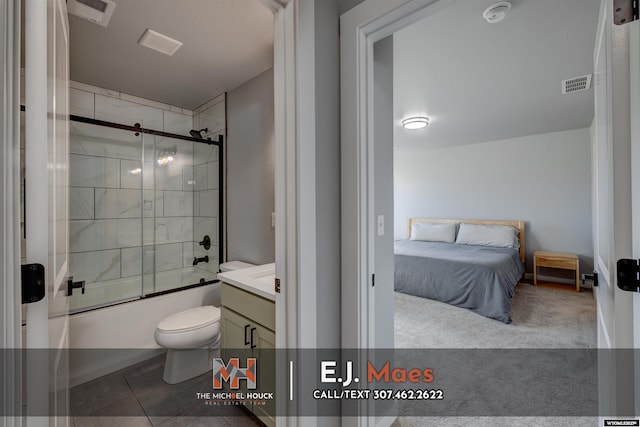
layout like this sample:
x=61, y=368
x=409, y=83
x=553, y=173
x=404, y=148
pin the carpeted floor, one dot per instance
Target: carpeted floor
x=542, y=318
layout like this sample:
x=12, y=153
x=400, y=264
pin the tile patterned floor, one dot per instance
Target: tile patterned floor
x=138, y=397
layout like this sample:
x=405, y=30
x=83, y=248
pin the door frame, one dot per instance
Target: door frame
x=361, y=27
x=286, y=179
x=10, y=312
x=288, y=220
x=634, y=58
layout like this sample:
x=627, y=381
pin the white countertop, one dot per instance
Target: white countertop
x=258, y=280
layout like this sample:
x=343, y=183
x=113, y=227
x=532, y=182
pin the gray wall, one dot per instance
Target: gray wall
x=544, y=180
x=346, y=5
x=250, y=171
x=383, y=133
x=327, y=153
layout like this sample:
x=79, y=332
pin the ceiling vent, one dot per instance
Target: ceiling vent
x=576, y=84
x=97, y=11
x=159, y=42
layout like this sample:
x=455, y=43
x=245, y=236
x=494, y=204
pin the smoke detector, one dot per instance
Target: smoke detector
x=496, y=12
x=96, y=11
x=576, y=84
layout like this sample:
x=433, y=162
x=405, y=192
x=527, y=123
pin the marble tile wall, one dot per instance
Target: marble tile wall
x=211, y=115
x=113, y=221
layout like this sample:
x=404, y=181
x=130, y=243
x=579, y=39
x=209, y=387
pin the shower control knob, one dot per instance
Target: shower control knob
x=206, y=242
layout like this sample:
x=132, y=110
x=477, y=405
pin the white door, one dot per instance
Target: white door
x=613, y=218
x=46, y=192
x=635, y=186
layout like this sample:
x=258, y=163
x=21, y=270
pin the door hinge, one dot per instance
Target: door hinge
x=625, y=11
x=373, y=280
x=628, y=273
x=32, y=283
x=277, y=285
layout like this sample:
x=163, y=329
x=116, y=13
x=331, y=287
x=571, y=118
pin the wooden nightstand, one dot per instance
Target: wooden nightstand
x=556, y=260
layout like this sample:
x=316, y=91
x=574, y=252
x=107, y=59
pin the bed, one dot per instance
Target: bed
x=479, y=278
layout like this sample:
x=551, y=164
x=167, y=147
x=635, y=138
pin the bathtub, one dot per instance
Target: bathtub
x=128, y=327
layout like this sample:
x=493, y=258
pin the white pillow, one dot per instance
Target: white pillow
x=500, y=236
x=433, y=232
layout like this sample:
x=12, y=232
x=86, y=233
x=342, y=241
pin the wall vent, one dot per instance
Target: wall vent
x=97, y=11
x=576, y=84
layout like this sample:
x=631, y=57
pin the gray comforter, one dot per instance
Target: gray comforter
x=479, y=278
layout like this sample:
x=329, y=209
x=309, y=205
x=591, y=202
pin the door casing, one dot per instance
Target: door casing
x=10, y=312
x=287, y=219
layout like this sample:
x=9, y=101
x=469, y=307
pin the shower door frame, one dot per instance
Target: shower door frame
x=137, y=128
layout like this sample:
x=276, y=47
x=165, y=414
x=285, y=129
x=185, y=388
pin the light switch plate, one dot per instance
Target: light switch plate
x=380, y=225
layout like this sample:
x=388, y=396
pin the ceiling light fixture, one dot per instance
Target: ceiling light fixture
x=413, y=123
x=496, y=12
x=159, y=42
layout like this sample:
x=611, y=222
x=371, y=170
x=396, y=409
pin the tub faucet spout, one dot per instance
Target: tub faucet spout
x=203, y=259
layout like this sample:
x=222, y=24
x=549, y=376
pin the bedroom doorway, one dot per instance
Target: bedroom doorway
x=474, y=159
x=365, y=224
x=494, y=149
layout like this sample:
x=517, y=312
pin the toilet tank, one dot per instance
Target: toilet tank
x=234, y=265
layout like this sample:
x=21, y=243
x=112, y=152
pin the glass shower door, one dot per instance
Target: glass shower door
x=206, y=209
x=105, y=210
x=144, y=213
x=176, y=183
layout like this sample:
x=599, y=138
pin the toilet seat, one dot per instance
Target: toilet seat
x=190, y=320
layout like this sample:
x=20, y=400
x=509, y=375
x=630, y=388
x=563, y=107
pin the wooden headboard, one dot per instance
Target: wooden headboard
x=515, y=224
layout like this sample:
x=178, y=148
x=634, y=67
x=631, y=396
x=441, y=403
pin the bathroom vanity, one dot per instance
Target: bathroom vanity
x=248, y=321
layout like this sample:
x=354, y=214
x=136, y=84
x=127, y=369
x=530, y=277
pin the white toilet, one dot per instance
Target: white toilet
x=192, y=338
x=234, y=265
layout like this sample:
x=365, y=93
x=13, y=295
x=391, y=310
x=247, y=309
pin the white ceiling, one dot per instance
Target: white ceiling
x=482, y=82
x=226, y=43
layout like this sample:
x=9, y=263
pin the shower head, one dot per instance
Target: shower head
x=198, y=133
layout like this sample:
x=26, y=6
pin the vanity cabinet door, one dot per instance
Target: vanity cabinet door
x=233, y=327
x=236, y=330
x=251, y=337
x=265, y=341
